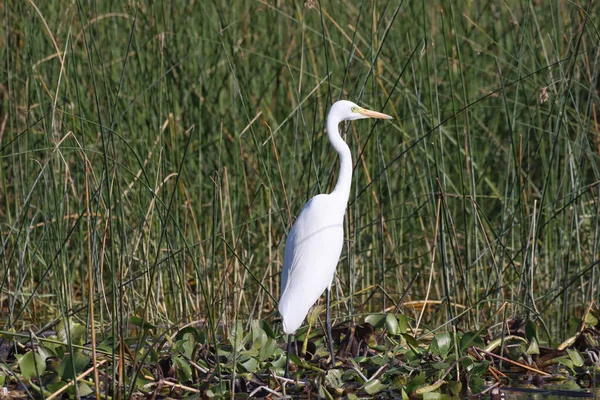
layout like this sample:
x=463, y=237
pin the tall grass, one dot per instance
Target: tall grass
x=155, y=154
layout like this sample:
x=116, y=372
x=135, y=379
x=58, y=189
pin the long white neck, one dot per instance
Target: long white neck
x=342, y=187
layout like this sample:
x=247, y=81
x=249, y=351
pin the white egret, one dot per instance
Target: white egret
x=314, y=244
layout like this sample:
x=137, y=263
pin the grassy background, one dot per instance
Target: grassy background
x=153, y=156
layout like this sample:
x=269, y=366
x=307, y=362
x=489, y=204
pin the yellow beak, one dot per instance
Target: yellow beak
x=374, y=114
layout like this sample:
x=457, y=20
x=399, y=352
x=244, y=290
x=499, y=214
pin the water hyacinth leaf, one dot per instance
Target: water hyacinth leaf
x=423, y=390
x=470, y=339
x=77, y=360
x=31, y=364
x=217, y=390
x=71, y=333
x=84, y=390
x=250, y=365
x=533, y=347
x=236, y=336
x=182, y=368
x=402, y=323
x=268, y=330
x=374, y=386
x=377, y=320
x=576, y=357
x=410, y=340
x=140, y=323
x=186, y=331
x=591, y=320
x=333, y=378
x=480, y=368
x=391, y=324
x=268, y=350
x=531, y=330
x=566, y=361
x=433, y=396
x=476, y=384
x=415, y=383
x=186, y=345
x=440, y=345
x=454, y=388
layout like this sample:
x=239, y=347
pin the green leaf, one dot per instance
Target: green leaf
x=84, y=389
x=402, y=323
x=454, y=388
x=410, y=339
x=71, y=333
x=333, y=378
x=531, y=330
x=187, y=331
x=432, y=396
x=140, y=323
x=533, y=347
x=441, y=344
x=470, y=339
x=30, y=364
x=374, y=386
x=268, y=350
x=250, y=365
x=377, y=320
x=480, y=368
x=183, y=369
x=65, y=370
x=575, y=356
x=391, y=323
x=186, y=345
x=591, y=320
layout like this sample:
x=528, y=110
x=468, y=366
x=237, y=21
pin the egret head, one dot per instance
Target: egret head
x=345, y=110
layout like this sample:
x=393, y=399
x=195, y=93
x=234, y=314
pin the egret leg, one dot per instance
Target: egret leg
x=287, y=359
x=328, y=323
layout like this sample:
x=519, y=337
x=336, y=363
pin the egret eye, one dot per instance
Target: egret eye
x=354, y=109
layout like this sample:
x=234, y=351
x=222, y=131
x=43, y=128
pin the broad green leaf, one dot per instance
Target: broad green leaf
x=402, y=323
x=187, y=330
x=374, y=386
x=140, y=323
x=454, y=388
x=65, y=370
x=533, y=347
x=250, y=365
x=470, y=339
x=575, y=356
x=183, y=369
x=84, y=390
x=186, y=345
x=377, y=320
x=268, y=350
x=591, y=320
x=441, y=344
x=333, y=378
x=410, y=339
x=480, y=368
x=73, y=333
x=391, y=323
x=531, y=330
x=423, y=390
x=30, y=364
x=432, y=396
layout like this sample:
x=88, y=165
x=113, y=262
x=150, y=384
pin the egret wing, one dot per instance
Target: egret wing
x=312, y=251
